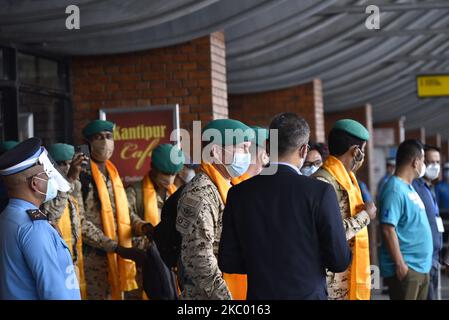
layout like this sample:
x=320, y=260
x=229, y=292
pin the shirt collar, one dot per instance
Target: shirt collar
x=22, y=203
x=289, y=165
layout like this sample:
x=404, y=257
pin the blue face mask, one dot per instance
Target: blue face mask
x=239, y=165
x=52, y=189
x=308, y=171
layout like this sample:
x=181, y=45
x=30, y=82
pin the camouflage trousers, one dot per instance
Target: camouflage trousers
x=338, y=285
x=96, y=273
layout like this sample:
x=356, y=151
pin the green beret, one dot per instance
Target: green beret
x=231, y=132
x=61, y=151
x=7, y=145
x=161, y=158
x=97, y=126
x=352, y=127
x=261, y=135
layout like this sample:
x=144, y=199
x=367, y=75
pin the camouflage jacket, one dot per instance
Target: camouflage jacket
x=338, y=283
x=91, y=224
x=55, y=208
x=199, y=221
x=140, y=242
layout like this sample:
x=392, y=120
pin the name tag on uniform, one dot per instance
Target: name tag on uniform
x=440, y=225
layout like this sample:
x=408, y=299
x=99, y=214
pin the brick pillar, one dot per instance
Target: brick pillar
x=434, y=140
x=192, y=74
x=397, y=126
x=419, y=133
x=259, y=108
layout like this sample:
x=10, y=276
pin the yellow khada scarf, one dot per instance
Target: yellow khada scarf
x=151, y=212
x=359, y=271
x=65, y=227
x=122, y=272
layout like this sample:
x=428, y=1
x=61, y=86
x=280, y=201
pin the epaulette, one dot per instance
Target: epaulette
x=36, y=214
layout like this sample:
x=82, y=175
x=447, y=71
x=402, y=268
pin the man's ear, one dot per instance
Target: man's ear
x=33, y=184
x=303, y=151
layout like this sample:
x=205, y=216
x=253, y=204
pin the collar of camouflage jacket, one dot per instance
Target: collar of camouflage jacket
x=220, y=182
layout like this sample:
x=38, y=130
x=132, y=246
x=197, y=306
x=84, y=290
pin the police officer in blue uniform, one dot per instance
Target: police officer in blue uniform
x=35, y=262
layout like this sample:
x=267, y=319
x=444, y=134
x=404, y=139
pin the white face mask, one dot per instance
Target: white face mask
x=52, y=189
x=432, y=171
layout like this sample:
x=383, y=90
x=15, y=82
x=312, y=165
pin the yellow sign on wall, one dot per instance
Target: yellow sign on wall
x=433, y=85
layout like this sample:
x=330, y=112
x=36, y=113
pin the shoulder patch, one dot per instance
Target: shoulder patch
x=36, y=214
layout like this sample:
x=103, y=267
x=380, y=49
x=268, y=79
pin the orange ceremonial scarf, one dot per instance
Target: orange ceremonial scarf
x=65, y=226
x=151, y=212
x=237, y=283
x=359, y=271
x=242, y=178
x=122, y=272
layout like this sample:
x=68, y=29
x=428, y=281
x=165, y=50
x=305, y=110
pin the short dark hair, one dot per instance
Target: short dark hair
x=340, y=142
x=293, y=132
x=321, y=148
x=408, y=151
x=429, y=147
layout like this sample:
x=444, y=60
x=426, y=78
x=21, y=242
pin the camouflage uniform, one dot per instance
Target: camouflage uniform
x=338, y=283
x=96, y=244
x=141, y=242
x=200, y=211
x=56, y=207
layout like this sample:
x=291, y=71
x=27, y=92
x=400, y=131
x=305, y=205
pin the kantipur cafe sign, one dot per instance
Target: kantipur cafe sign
x=137, y=132
x=432, y=85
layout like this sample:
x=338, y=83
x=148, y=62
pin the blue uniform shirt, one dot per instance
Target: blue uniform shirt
x=35, y=262
x=442, y=194
x=401, y=207
x=432, y=212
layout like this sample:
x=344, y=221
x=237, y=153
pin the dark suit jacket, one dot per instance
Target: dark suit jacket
x=283, y=230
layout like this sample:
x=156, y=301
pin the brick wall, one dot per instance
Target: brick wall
x=192, y=75
x=397, y=126
x=419, y=134
x=259, y=108
x=434, y=140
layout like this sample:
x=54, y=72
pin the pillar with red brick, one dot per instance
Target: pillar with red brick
x=397, y=126
x=259, y=108
x=419, y=134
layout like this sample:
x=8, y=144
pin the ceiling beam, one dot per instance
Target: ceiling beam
x=360, y=9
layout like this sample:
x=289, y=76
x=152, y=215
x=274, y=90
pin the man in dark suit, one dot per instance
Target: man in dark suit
x=284, y=230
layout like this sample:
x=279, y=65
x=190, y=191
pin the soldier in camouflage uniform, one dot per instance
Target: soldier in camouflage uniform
x=96, y=244
x=63, y=154
x=154, y=189
x=347, y=147
x=200, y=211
